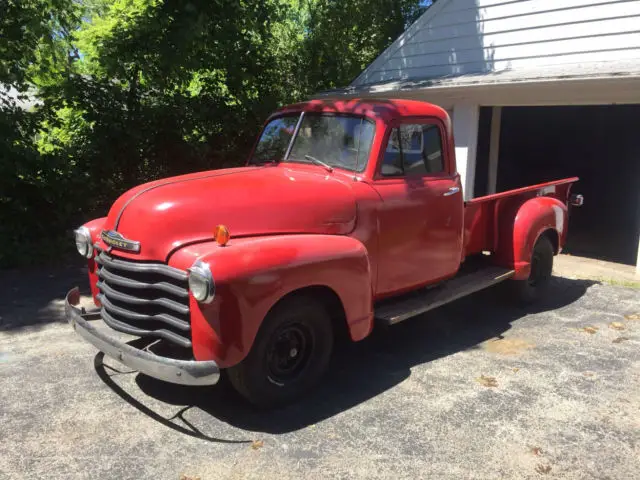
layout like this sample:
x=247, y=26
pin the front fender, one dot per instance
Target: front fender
x=520, y=230
x=95, y=227
x=252, y=274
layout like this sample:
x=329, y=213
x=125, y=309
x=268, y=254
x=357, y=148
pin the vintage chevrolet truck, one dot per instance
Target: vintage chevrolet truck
x=347, y=214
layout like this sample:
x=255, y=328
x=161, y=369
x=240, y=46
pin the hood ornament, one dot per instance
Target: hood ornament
x=116, y=240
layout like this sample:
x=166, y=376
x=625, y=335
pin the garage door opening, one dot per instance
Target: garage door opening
x=599, y=144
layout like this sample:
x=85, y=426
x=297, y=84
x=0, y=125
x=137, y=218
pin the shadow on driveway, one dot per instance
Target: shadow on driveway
x=360, y=371
x=32, y=298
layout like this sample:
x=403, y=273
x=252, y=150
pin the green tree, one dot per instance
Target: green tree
x=126, y=91
x=345, y=37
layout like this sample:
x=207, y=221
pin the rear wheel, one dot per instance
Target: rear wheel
x=533, y=288
x=289, y=355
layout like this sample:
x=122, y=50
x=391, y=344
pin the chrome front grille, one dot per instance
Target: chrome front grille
x=144, y=299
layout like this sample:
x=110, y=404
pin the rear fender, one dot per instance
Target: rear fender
x=521, y=228
x=252, y=274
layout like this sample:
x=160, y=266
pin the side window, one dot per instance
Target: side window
x=392, y=162
x=413, y=149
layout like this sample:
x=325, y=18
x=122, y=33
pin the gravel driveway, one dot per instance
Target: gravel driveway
x=476, y=389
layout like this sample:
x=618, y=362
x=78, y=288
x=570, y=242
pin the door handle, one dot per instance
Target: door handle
x=451, y=191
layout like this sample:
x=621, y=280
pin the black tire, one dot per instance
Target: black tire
x=535, y=287
x=289, y=355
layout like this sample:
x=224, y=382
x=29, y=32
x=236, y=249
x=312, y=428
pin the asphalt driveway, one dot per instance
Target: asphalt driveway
x=477, y=389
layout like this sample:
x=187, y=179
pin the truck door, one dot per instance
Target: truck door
x=421, y=213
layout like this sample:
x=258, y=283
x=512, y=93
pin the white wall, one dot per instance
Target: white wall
x=465, y=126
x=457, y=37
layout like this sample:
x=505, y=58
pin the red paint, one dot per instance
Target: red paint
x=250, y=201
x=252, y=274
x=294, y=226
x=95, y=227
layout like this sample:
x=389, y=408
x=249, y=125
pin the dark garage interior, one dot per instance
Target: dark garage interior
x=599, y=144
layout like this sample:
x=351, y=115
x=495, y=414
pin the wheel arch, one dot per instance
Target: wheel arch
x=554, y=237
x=253, y=275
x=520, y=230
x=327, y=297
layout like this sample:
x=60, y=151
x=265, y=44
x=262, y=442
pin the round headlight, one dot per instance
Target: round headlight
x=83, y=242
x=201, y=283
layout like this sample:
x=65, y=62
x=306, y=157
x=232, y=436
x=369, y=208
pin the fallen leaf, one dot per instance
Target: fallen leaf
x=256, y=444
x=620, y=339
x=590, y=330
x=543, y=468
x=632, y=316
x=515, y=369
x=616, y=326
x=537, y=451
x=506, y=346
x=487, y=381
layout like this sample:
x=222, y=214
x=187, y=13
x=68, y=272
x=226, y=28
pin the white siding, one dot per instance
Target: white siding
x=457, y=37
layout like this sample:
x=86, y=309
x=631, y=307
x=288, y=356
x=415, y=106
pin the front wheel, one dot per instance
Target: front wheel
x=289, y=355
x=533, y=288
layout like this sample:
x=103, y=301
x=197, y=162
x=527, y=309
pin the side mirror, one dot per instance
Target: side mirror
x=576, y=200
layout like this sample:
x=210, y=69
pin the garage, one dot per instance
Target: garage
x=599, y=144
x=537, y=91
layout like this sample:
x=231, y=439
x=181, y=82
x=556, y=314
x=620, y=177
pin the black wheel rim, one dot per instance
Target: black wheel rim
x=288, y=353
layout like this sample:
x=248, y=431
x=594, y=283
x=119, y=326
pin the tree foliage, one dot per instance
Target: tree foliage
x=125, y=91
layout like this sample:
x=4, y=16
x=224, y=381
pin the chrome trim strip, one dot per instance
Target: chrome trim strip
x=141, y=332
x=111, y=262
x=123, y=297
x=126, y=282
x=161, y=317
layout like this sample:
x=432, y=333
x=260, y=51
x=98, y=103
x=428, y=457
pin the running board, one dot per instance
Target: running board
x=396, y=310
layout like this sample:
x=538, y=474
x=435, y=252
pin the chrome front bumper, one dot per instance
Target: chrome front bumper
x=183, y=372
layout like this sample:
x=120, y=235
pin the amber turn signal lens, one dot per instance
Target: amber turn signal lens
x=221, y=235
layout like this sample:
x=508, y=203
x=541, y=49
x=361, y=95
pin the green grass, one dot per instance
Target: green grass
x=619, y=283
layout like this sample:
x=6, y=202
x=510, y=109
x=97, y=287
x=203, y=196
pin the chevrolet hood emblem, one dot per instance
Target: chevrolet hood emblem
x=116, y=240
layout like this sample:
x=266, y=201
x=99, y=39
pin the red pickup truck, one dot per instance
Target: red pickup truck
x=347, y=214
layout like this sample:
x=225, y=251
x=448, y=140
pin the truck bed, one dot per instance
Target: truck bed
x=481, y=215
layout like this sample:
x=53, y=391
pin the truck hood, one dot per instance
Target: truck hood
x=167, y=214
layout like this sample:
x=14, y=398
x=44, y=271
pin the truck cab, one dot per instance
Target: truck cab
x=347, y=214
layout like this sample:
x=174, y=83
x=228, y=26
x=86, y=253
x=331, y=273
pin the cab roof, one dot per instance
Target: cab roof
x=384, y=109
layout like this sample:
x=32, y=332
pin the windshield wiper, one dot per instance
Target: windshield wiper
x=319, y=162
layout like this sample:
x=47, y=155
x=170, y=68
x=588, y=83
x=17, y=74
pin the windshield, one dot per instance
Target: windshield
x=336, y=140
